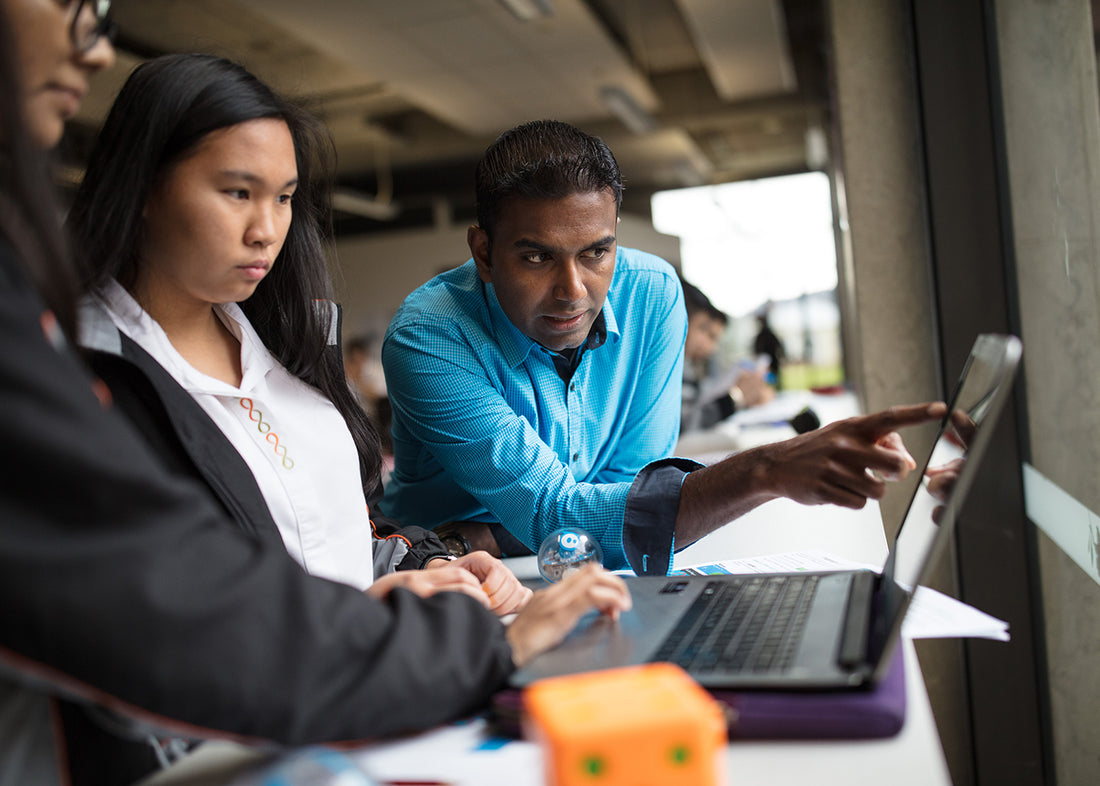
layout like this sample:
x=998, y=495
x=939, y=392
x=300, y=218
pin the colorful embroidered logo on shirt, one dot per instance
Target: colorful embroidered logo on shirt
x=257, y=417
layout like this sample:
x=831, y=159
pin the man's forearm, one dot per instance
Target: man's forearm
x=844, y=463
x=716, y=495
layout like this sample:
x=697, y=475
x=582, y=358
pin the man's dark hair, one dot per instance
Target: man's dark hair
x=543, y=159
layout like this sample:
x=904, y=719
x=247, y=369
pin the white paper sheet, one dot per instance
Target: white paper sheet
x=457, y=755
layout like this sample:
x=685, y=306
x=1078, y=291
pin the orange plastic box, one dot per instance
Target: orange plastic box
x=649, y=725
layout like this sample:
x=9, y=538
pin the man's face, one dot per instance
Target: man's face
x=551, y=263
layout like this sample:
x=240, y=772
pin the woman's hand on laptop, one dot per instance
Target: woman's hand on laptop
x=554, y=611
x=428, y=582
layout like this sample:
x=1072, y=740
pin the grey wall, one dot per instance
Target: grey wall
x=375, y=273
x=1052, y=137
x=916, y=161
x=889, y=319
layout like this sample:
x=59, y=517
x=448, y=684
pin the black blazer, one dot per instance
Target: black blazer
x=123, y=586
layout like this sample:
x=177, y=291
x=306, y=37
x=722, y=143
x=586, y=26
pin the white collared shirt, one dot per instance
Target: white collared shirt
x=293, y=439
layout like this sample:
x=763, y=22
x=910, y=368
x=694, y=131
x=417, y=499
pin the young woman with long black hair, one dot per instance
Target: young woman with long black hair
x=201, y=227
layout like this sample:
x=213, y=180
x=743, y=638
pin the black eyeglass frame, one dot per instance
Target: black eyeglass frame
x=104, y=27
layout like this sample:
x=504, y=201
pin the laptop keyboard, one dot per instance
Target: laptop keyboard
x=747, y=624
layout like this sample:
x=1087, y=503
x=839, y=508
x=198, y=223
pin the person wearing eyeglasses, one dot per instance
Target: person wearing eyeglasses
x=135, y=616
x=57, y=82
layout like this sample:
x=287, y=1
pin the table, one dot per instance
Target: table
x=913, y=757
x=468, y=757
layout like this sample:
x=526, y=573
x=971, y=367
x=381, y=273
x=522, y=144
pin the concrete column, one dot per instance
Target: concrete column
x=1052, y=134
x=880, y=161
x=885, y=277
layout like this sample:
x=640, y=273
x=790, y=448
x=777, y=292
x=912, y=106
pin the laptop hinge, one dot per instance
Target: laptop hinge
x=857, y=621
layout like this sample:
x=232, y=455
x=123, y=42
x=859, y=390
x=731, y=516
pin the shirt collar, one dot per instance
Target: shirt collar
x=256, y=360
x=516, y=345
x=132, y=319
x=565, y=365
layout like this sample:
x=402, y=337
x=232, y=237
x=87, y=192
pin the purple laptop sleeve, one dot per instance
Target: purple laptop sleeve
x=779, y=715
x=853, y=714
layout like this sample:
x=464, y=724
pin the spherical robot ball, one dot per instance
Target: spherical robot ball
x=567, y=550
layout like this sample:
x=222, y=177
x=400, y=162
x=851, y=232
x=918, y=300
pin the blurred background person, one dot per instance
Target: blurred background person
x=713, y=390
x=367, y=380
x=767, y=343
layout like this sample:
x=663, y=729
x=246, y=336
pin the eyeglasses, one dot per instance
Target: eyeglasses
x=85, y=36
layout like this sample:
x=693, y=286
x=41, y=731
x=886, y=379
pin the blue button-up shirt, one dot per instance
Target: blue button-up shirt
x=485, y=428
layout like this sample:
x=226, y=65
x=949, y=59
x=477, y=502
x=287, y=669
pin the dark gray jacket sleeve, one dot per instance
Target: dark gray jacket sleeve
x=126, y=583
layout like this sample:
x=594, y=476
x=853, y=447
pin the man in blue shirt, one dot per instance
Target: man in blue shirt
x=538, y=385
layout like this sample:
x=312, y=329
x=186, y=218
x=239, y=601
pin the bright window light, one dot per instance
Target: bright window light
x=758, y=242
x=750, y=242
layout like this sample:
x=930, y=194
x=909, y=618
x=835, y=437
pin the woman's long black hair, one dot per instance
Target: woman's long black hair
x=29, y=213
x=167, y=106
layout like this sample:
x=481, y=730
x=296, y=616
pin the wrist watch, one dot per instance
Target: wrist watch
x=455, y=543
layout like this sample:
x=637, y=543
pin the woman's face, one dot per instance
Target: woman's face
x=54, y=74
x=217, y=219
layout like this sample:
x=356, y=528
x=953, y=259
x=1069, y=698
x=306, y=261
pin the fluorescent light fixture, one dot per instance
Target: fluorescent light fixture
x=352, y=202
x=620, y=103
x=526, y=10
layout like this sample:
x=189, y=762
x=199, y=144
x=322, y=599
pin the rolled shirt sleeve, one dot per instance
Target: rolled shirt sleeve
x=649, y=538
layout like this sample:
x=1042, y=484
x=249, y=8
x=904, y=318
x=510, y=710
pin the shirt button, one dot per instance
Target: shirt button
x=573, y=387
x=576, y=456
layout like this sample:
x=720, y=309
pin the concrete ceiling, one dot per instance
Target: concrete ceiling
x=414, y=90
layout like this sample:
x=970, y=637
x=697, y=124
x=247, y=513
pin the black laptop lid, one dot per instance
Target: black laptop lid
x=946, y=476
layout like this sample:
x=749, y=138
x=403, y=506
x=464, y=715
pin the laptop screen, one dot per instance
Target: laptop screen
x=946, y=475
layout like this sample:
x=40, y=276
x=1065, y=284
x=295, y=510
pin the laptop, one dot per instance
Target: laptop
x=803, y=631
